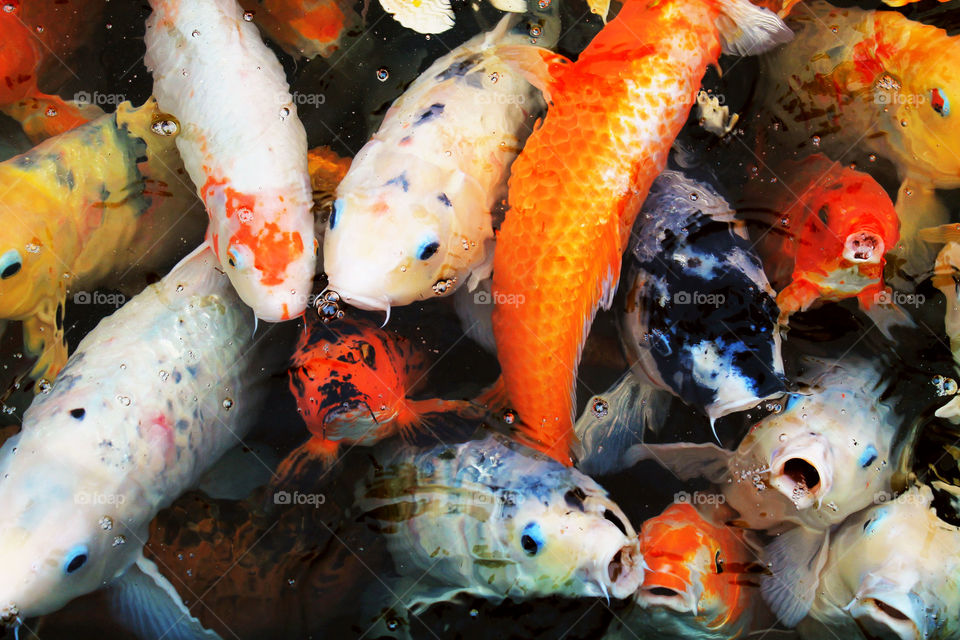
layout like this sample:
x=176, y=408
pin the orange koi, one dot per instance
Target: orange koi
x=579, y=182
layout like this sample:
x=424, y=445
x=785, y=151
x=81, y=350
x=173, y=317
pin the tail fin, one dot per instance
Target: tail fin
x=746, y=29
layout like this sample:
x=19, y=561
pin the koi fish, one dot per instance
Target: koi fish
x=946, y=276
x=884, y=85
x=494, y=519
x=436, y=16
x=892, y=572
x=354, y=383
x=34, y=36
x=246, y=154
x=460, y=124
x=304, y=28
x=799, y=472
x=833, y=228
x=150, y=398
x=104, y=199
x=702, y=580
x=698, y=301
x=581, y=178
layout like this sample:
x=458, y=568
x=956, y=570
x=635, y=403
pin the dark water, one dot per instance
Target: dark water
x=299, y=573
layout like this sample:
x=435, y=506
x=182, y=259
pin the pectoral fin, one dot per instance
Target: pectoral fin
x=796, y=558
x=685, y=459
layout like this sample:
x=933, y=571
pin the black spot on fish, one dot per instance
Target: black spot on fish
x=71, y=180
x=475, y=79
x=823, y=213
x=141, y=159
x=59, y=316
x=176, y=377
x=181, y=425
x=445, y=200
x=434, y=111
x=78, y=413
x=192, y=371
x=23, y=162
x=104, y=193
x=447, y=454
x=401, y=181
x=369, y=354
x=574, y=498
x=458, y=69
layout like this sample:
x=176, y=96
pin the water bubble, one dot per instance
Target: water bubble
x=245, y=214
x=51, y=111
x=908, y=191
x=291, y=581
x=473, y=612
x=44, y=385
x=903, y=123
x=535, y=31
x=403, y=268
x=382, y=74
x=165, y=125
x=8, y=8
x=163, y=375
x=509, y=416
x=543, y=4
x=39, y=28
x=783, y=437
x=872, y=157
x=179, y=288
x=600, y=407
x=815, y=140
x=328, y=306
x=694, y=197
x=284, y=113
x=32, y=248
x=119, y=540
x=494, y=77
x=124, y=400
x=248, y=16
x=392, y=624
x=227, y=403
x=945, y=386
x=440, y=287
x=109, y=25
x=106, y=523
x=195, y=34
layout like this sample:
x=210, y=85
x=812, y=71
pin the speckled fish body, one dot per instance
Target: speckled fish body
x=151, y=397
x=700, y=315
x=893, y=572
x=243, y=146
x=698, y=583
x=412, y=219
x=494, y=519
x=85, y=209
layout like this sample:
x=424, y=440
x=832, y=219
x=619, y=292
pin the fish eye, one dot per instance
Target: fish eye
x=76, y=558
x=335, y=214
x=428, y=249
x=237, y=259
x=10, y=264
x=939, y=102
x=532, y=539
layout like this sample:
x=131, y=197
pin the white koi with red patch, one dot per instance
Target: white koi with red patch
x=243, y=146
x=153, y=396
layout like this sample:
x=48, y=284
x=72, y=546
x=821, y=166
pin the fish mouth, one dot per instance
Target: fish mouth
x=623, y=571
x=880, y=619
x=364, y=303
x=663, y=589
x=802, y=476
x=863, y=247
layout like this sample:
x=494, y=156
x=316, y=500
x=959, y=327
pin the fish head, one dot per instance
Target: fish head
x=921, y=88
x=352, y=376
x=576, y=542
x=412, y=236
x=888, y=609
x=62, y=535
x=32, y=266
x=265, y=243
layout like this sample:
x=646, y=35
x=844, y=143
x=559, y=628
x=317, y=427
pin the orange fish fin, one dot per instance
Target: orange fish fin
x=43, y=116
x=314, y=454
x=538, y=66
x=746, y=29
x=942, y=234
x=799, y=295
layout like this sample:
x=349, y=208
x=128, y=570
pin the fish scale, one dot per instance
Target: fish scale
x=559, y=247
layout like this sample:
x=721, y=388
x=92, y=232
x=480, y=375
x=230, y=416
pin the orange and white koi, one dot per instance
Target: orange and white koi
x=832, y=228
x=246, y=154
x=304, y=28
x=701, y=582
x=579, y=182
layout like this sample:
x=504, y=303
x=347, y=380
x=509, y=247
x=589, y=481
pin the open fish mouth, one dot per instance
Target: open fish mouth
x=801, y=475
x=663, y=589
x=881, y=620
x=863, y=247
x=624, y=571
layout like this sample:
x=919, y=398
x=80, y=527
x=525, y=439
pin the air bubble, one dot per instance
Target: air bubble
x=248, y=16
x=441, y=287
x=32, y=248
x=195, y=34
x=494, y=77
x=284, y=113
x=600, y=407
x=245, y=214
x=328, y=307
x=124, y=400
x=509, y=416
x=119, y=540
x=815, y=140
x=228, y=403
x=51, y=112
x=106, y=523
x=382, y=74
x=44, y=385
x=165, y=125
